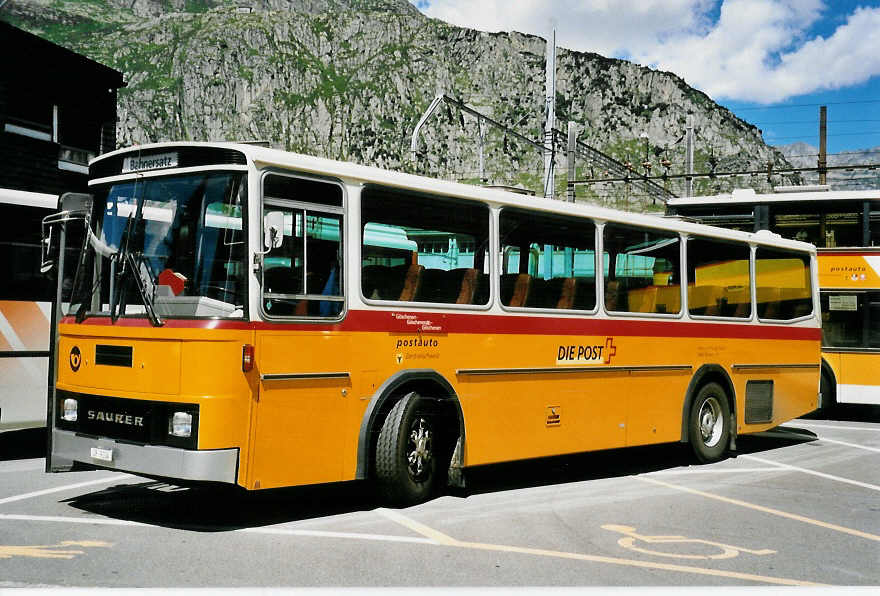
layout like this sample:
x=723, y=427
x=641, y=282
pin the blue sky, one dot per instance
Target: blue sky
x=772, y=62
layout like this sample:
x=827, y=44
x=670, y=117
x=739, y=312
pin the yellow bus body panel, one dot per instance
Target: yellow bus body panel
x=168, y=365
x=847, y=271
x=853, y=368
x=302, y=426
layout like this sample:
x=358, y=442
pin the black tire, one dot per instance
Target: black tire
x=408, y=452
x=709, y=423
x=828, y=398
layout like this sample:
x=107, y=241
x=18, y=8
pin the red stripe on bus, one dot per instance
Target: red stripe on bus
x=444, y=323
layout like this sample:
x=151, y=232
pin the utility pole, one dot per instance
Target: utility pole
x=482, y=133
x=689, y=157
x=572, y=153
x=823, y=147
x=550, y=122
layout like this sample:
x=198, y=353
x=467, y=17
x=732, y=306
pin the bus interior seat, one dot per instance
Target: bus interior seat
x=614, y=298
x=642, y=299
x=481, y=289
x=567, y=293
x=795, y=302
x=705, y=300
x=742, y=310
x=400, y=282
x=668, y=299
x=456, y=286
x=515, y=289
x=585, y=293
x=768, y=302
x=279, y=280
x=468, y=287
x=374, y=281
x=412, y=280
x=737, y=302
x=439, y=285
x=540, y=293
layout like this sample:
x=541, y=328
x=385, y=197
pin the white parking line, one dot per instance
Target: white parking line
x=58, y=489
x=853, y=445
x=812, y=472
x=100, y=521
x=702, y=470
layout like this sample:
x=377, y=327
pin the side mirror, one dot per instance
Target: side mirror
x=73, y=207
x=76, y=202
x=46, y=260
x=273, y=229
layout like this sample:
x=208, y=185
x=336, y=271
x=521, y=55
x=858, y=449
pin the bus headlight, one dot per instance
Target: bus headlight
x=180, y=424
x=69, y=410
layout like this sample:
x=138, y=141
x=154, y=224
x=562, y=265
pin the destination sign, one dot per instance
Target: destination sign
x=139, y=163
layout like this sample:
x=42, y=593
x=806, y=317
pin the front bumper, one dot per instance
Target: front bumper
x=216, y=465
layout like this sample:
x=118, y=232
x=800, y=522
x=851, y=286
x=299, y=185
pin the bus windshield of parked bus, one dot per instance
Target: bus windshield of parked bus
x=177, y=248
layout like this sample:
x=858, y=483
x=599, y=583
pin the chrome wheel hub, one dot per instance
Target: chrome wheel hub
x=711, y=423
x=418, y=449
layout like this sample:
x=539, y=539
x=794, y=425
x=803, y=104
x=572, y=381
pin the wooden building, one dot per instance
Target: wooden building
x=57, y=111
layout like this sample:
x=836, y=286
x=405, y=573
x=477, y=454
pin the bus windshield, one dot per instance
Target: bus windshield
x=179, y=248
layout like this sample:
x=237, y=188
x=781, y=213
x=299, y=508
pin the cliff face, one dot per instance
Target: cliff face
x=349, y=79
x=803, y=155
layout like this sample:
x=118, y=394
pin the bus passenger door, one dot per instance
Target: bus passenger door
x=299, y=424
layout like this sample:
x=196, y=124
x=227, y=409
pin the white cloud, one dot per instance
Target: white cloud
x=607, y=27
x=753, y=50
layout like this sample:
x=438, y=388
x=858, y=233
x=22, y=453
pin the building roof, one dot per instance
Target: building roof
x=24, y=52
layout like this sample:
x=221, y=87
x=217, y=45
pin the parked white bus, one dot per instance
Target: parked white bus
x=25, y=310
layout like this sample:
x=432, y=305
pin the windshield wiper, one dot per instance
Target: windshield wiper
x=134, y=265
x=138, y=267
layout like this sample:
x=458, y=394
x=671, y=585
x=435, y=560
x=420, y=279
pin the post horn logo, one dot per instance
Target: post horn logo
x=75, y=358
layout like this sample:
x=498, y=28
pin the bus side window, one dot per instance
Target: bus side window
x=303, y=276
x=20, y=229
x=643, y=270
x=422, y=249
x=548, y=261
x=783, y=284
x=718, y=278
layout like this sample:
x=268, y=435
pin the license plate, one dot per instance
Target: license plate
x=102, y=454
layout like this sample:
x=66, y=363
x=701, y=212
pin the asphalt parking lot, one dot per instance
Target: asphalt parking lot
x=799, y=505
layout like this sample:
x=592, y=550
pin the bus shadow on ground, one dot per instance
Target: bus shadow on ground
x=212, y=508
x=855, y=413
x=23, y=444
x=848, y=413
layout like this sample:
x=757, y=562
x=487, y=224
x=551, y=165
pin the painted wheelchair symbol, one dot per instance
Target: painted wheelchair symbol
x=630, y=539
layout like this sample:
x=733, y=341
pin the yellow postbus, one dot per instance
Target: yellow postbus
x=845, y=225
x=254, y=317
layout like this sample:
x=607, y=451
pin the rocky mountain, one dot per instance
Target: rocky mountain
x=349, y=79
x=804, y=155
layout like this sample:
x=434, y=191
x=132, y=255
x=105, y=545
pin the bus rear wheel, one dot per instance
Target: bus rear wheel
x=709, y=423
x=407, y=451
x=828, y=399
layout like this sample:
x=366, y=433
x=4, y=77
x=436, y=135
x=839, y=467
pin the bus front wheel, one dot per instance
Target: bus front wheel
x=407, y=451
x=709, y=423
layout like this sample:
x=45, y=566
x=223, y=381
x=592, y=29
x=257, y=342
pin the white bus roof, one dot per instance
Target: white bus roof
x=11, y=196
x=267, y=158
x=749, y=196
